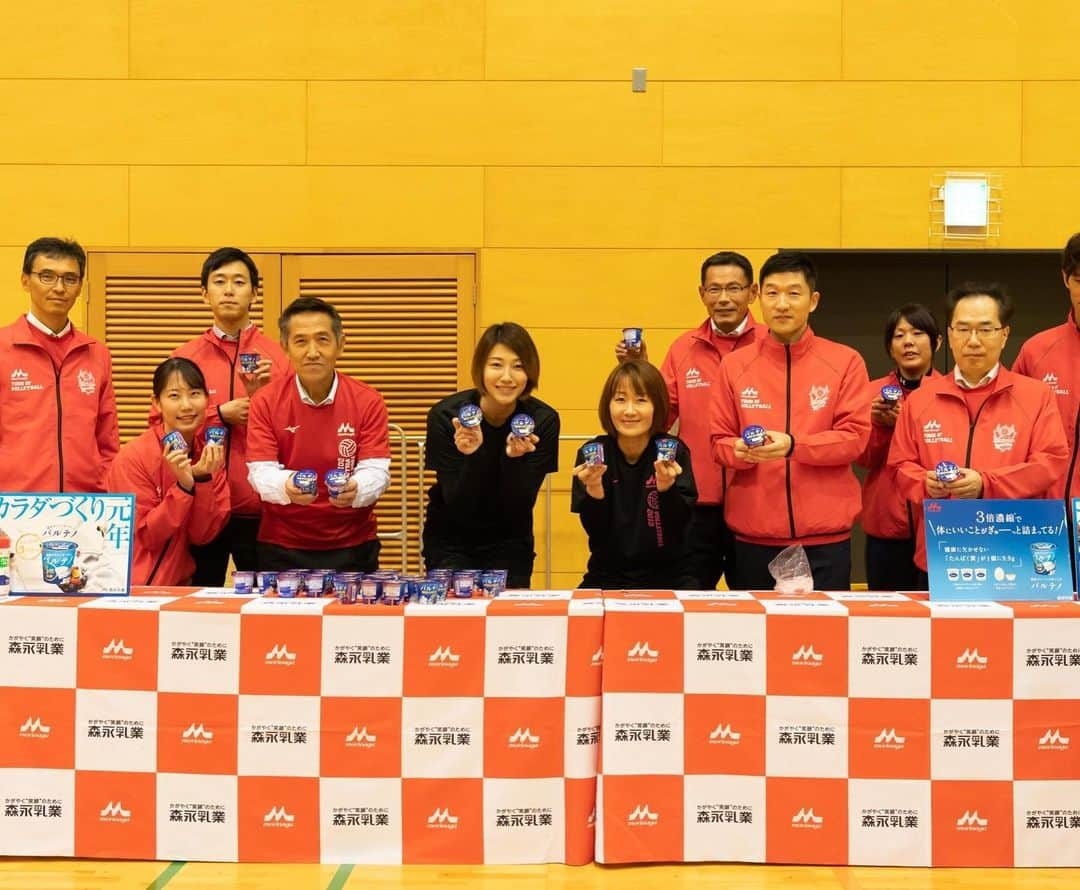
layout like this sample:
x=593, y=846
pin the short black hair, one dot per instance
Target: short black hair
x=54, y=248
x=189, y=372
x=1070, y=256
x=916, y=315
x=515, y=338
x=310, y=304
x=222, y=257
x=728, y=258
x=993, y=290
x=790, y=261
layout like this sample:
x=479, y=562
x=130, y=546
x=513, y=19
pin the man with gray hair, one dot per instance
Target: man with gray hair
x=301, y=428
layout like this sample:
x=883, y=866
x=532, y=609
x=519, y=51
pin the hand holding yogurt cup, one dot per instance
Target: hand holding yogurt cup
x=255, y=374
x=210, y=461
x=522, y=439
x=468, y=436
x=302, y=487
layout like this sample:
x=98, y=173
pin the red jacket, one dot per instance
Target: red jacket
x=218, y=361
x=814, y=390
x=1016, y=442
x=168, y=520
x=884, y=513
x=1053, y=356
x=691, y=370
x=58, y=427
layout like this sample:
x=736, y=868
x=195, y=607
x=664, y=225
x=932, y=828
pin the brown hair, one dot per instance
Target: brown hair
x=515, y=338
x=644, y=379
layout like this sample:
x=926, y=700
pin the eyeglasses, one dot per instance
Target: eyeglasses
x=732, y=290
x=48, y=278
x=965, y=332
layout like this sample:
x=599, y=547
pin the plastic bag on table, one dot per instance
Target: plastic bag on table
x=791, y=569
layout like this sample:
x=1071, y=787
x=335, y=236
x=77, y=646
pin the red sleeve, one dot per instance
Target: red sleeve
x=851, y=423
x=1047, y=459
x=261, y=442
x=1022, y=365
x=212, y=507
x=904, y=458
x=373, y=436
x=667, y=371
x=156, y=519
x=724, y=423
x=108, y=427
x=877, y=446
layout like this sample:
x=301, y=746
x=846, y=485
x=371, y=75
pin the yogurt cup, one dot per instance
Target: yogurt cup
x=243, y=582
x=249, y=362
x=57, y=561
x=1044, y=557
x=593, y=453
x=754, y=436
x=521, y=425
x=892, y=393
x=493, y=582
x=306, y=480
x=288, y=585
x=335, y=480
x=216, y=435
x=175, y=441
x=666, y=449
x=464, y=584
x=947, y=471
x=470, y=416
x=632, y=338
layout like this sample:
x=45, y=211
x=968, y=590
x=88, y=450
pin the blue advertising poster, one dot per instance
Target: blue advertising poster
x=1076, y=533
x=68, y=544
x=998, y=550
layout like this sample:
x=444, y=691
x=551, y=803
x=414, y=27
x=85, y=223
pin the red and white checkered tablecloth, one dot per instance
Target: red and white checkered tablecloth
x=860, y=728
x=211, y=726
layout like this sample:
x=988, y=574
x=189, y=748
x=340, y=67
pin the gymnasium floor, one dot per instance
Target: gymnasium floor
x=64, y=874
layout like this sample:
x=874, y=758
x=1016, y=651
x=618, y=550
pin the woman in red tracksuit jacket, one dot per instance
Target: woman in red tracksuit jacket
x=912, y=336
x=182, y=496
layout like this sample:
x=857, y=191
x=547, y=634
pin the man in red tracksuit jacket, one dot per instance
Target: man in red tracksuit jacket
x=230, y=280
x=810, y=396
x=58, y=424
x=1053, y=356
x=691, y=369
x=1002, y=429
x=317, y=420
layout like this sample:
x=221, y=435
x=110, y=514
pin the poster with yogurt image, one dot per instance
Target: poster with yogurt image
x=69, y=544
x=998, y=550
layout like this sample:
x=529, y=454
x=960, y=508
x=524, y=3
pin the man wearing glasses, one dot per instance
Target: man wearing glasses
x=1003, y=430
x=58, y=426
x=691, y=369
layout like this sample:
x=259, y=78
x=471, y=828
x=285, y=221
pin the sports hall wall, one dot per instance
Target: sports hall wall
x=509, y=127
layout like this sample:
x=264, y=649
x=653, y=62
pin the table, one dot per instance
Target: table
x=213, y=726
x=853, y=728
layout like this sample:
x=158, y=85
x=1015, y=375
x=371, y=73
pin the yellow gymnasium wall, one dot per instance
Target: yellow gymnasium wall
x=509, y=127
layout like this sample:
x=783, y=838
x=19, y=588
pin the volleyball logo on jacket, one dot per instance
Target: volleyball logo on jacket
x=819, y=397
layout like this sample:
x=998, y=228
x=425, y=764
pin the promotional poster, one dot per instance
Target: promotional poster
x=1005, y=550
x=73, y=544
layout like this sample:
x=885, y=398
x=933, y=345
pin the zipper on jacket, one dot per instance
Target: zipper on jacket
x=971, y=431
x=232, y=390
x=59, y=428
x=787, y=429
x=157, y=565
